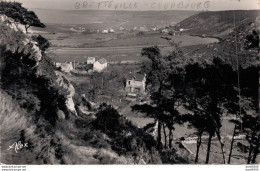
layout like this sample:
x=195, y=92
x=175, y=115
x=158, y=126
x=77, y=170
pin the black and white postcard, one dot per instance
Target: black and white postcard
x=129, y=82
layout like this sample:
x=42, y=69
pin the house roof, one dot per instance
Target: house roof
x=91, y=58
x=138, y=77
x=102, y=61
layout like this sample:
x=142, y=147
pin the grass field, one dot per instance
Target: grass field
x=69, y=47
x=59, y=32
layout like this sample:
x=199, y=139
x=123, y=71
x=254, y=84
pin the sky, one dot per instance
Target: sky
x=140, y=5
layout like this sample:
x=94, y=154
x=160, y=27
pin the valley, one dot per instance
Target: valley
x=122, y=49
x=129, y=87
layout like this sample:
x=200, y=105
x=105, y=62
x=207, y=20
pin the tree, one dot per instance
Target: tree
x=125, y=138
x=20, y=14
x=155, y=77
x=108, y=119
x=198, y=121
x=43, y=43
x=247, y=121
x=235, y=133
x=31, y=19
x=251, y=127
x=211, y=92
x=252, y=40
x=165, y=84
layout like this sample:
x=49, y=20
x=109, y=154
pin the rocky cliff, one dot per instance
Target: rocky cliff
x=14, y=41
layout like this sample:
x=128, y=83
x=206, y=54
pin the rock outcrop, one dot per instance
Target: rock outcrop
x=65, y=84
x=13, y=40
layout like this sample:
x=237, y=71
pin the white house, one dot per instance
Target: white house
x=135, y=83
x=154, y=29
x=100, y=65
x=111, y=30
x=105, y=31
x=91, y=60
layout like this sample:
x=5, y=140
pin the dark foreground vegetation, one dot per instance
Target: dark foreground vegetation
x=209, y=91
x=34, y=106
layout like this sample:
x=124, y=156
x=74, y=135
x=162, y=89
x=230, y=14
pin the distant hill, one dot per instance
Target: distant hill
x=216, y=23
x=112, y=18
x=221, y=25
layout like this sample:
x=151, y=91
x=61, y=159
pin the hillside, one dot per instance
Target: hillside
x=216, y=23
x=221, y=25
x=95, y=16
x=37, y=108
x=100, y=19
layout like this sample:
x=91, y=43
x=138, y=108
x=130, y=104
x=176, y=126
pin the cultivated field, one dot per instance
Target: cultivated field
x=69, y=44
x=75, y=46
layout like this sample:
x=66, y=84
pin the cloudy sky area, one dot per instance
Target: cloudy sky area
x=213, y=5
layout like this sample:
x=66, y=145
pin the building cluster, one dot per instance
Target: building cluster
x=105, y=31
x=92, y=65
x=162, y=29
x=135, y=82
x=99, y=65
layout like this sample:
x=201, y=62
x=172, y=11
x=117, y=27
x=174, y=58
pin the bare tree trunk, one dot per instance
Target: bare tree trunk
x=221, y=146
x=26, y=28
x=198, y=147
x=159, y=136
x=251, y=148
x=256, y=149
x=170, y=138
x=208, y=150
x=165, y=137
x=250, y=153
x=231, y=146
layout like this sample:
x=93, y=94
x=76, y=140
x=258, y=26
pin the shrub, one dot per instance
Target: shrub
x=126, y=139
